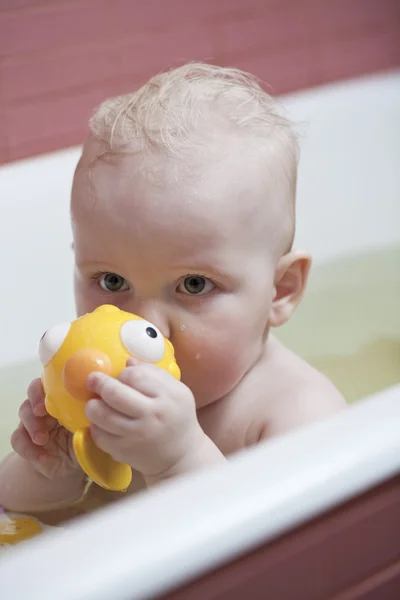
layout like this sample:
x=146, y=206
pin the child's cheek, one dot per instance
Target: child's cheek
x=211, y=366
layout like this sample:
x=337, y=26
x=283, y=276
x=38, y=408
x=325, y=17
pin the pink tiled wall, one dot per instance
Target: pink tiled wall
x=60, y=58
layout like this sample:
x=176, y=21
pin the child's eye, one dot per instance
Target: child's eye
x=111, y=282
x=195, y=285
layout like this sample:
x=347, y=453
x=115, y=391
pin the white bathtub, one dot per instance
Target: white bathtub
x=349, y=205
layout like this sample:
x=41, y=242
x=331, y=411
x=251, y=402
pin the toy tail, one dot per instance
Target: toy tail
x=98, y=465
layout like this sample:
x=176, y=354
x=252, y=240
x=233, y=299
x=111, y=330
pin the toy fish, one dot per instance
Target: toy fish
x=99, y=341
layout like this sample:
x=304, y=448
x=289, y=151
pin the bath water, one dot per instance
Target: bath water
x=348, y=325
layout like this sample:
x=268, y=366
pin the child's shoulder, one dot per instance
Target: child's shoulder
x=279, y=394
x=297, y=393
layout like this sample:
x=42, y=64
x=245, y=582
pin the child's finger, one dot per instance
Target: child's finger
x=100, y=414
x=36, y=398
x=106, y=441
x=132, y=362
x=118, y=396
x=142, y=379
x=23, y=445
x=49, y=422
x=35, y=426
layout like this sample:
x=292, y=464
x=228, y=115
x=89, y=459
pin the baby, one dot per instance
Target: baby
x=183, y=212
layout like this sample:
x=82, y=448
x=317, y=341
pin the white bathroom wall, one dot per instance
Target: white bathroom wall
x=349, y=199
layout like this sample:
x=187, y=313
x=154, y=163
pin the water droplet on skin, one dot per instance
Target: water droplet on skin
x=182, y=327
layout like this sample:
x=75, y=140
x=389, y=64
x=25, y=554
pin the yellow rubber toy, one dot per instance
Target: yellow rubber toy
x=16, y=528
x=99, y=341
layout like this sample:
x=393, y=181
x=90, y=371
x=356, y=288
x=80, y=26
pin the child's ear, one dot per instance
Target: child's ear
x=289, y=286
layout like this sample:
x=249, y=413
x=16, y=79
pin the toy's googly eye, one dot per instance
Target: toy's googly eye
x=143, y=341
x=52, y=341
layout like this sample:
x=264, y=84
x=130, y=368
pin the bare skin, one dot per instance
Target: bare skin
x=203, y=262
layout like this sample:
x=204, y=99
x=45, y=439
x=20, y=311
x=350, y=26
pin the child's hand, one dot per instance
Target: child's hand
x=145, y=418
x=40, y=439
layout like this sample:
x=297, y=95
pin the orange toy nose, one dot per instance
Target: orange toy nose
x=77, y=369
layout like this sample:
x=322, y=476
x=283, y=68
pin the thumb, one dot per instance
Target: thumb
x=132, y=362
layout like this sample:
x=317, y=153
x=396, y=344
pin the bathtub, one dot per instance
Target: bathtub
x=314, y=514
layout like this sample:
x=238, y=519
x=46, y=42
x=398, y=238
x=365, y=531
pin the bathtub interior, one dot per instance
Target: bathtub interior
x=348, y=325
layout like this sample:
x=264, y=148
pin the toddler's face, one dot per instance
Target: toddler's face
x=187, y=257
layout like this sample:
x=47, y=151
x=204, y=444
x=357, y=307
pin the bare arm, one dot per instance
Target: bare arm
x=42, y=472
x=204, y=453
x=24, y=489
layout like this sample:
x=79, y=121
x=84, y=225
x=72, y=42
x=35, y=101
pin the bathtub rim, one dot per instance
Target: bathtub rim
x=360, y=446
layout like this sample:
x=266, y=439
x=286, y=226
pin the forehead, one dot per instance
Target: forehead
x=217, y=196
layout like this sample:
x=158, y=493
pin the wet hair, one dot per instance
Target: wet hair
x=171, y=113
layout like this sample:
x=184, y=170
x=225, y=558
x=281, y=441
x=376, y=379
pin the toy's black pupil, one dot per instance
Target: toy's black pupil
x=151, y=332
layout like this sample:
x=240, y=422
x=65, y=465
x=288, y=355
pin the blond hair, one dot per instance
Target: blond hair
x=167, y=109
x=173, y=110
